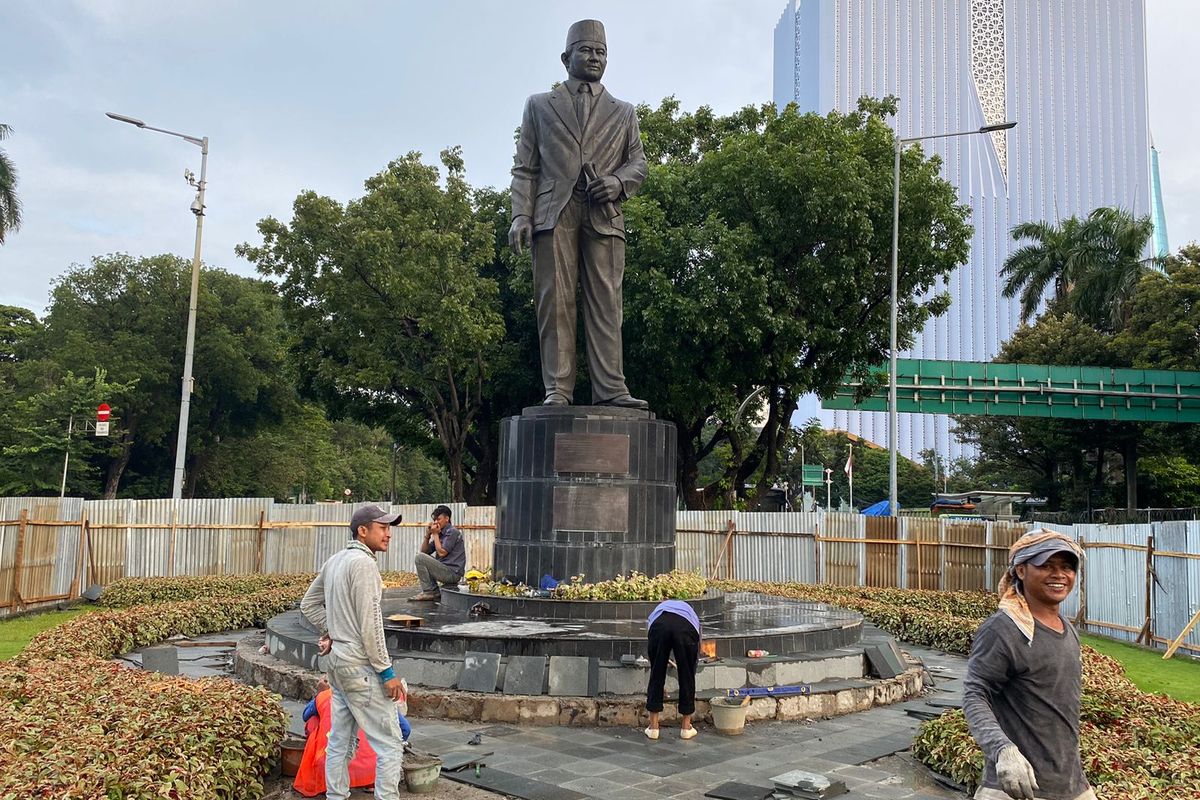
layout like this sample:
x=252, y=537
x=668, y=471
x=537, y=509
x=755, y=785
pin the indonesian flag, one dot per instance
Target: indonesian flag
x=849, y=468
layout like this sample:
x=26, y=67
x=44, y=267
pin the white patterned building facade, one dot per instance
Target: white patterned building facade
x=1070, y=73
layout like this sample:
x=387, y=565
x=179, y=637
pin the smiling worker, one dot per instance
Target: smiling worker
x=343, y=605
x=1021, y=694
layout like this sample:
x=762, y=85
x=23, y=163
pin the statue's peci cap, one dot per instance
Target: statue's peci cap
x=586, y=30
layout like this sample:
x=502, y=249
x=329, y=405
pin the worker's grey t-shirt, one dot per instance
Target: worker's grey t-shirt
x=1027, y=694
x=456, y=549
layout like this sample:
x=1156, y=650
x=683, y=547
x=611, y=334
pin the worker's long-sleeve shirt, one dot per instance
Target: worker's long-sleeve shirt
x=1027, y=694
x=343, y=601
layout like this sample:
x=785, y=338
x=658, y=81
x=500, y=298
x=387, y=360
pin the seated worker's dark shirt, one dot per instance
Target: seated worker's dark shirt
x=455, y=547
x=1027, y=694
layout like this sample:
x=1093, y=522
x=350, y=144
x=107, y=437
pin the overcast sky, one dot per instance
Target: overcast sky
x=320, y=95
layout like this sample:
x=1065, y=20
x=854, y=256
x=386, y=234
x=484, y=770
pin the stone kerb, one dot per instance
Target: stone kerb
x=624, y=710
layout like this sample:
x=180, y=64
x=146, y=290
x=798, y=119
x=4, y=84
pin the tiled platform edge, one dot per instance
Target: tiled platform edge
x=826, y=699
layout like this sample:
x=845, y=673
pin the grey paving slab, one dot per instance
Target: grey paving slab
x=525, y=675
x=596, y=786
x=571, y=676
x=480, y=672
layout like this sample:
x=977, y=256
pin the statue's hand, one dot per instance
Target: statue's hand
x=519, y=233
x=606, y=189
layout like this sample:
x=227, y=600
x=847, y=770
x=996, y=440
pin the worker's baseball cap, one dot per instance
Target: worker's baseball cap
x=372, y=513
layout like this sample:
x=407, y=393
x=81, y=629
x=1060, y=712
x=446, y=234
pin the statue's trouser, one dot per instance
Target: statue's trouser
x=571, y=252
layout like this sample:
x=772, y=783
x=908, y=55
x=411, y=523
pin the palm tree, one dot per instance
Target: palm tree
x=10, y=206
x=1049, y=260
x=1094, y=264
x=1118, y=244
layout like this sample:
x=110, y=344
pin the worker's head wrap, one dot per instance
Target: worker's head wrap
x=1035, y=547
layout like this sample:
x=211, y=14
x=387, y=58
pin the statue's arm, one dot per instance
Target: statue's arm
x=632, y=172
x=527, y=165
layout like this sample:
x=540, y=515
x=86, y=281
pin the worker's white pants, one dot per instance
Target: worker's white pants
x=984, y=793
x=358, y=701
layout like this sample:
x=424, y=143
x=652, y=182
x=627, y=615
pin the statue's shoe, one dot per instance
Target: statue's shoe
x=624, y=401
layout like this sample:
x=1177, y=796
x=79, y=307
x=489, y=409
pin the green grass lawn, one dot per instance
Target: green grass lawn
x=1177, y=677
x=16, y=633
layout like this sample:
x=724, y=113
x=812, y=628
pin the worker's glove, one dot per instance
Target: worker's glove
x=1015, y=774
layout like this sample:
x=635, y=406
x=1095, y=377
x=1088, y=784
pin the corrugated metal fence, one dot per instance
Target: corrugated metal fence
x=51, y=549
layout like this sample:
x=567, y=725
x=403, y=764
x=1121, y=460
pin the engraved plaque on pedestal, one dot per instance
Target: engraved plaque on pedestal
x=592, y=452
x=591, y=508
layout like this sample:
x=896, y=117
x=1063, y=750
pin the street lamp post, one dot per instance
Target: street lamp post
x=185, y=400
x=893, y=425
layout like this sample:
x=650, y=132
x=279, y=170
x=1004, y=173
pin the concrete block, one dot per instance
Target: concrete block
x=538, y=711
x=762, y=708
x=165, y=659
x=623, y=680
x=500, y=709
x=577, y=711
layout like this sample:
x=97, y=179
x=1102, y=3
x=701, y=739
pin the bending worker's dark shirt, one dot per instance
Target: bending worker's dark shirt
x=1027, y=694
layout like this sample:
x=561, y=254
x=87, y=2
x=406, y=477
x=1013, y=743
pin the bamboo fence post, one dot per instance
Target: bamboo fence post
x=258, y=558
x=724, y=547
x=171, y=543
x=87, y=529
x=1146, y=632
x=920, y=567
x=22, y=525
x=75, y=582
x=1081, y=617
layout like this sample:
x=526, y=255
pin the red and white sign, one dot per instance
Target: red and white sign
x=103, y=412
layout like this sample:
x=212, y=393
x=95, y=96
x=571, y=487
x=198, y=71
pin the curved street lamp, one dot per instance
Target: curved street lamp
x=892, y=419
x=185, y=400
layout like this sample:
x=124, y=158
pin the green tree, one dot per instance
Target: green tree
x=41, y=427
x=1162, y=331
x=127, y=315
x=10, y=204
x=1049, y=457
x=393, y=323
x=759, y=258
x=1093, y=264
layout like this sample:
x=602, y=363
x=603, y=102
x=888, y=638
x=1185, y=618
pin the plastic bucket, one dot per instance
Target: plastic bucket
x=421, y=772
x=729, y=714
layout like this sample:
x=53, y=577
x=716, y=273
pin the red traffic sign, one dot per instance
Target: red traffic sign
x=103, y=412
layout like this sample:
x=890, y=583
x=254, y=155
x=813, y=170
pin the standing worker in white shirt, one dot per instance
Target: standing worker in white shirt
x=343, y=605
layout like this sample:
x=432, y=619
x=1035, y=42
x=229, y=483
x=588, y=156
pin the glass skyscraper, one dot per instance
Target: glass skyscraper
x=1071, y=73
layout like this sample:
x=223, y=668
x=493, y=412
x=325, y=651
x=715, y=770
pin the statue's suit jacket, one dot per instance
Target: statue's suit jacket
x=552, y=150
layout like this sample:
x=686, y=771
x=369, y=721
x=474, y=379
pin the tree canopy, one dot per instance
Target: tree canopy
x=759, y=256
x=393, y=322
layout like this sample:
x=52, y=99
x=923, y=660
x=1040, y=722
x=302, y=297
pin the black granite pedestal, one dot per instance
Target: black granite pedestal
x=584, y=490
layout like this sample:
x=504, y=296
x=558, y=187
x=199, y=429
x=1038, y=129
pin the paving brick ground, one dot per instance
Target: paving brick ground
x=867, y=750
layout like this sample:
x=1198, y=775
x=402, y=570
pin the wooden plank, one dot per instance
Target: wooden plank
x=18, y=562
x=1178, y=640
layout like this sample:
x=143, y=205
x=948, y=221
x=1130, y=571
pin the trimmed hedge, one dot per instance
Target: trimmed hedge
x=96, y=729
x=128, y=592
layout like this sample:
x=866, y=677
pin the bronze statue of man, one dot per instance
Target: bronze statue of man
x=579, y=155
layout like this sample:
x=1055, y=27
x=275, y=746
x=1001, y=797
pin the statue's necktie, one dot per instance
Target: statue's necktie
x=583, y=105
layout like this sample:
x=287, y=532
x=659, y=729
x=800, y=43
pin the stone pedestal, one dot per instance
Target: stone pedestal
x=584, y=490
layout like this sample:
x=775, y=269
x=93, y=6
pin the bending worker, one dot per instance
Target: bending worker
x=1021, y=694
x=674, y=629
